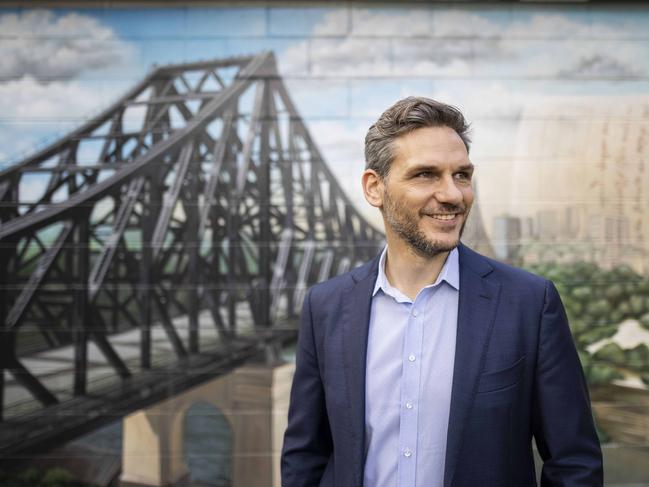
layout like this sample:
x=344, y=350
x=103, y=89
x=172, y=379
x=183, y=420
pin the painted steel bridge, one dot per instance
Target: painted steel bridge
x=164, y=242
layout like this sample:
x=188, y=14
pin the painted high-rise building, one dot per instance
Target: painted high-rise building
x=581, y=173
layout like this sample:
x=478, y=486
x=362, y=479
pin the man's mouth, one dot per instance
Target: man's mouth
x=443, y=216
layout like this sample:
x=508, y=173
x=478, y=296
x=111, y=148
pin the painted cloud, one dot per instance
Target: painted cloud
x=47, y=47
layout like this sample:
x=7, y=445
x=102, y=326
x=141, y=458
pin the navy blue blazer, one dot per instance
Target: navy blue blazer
x=516, y=376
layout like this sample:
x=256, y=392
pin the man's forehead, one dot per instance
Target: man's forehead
x=431, y=151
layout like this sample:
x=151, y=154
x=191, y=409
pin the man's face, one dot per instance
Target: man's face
x=427, y=194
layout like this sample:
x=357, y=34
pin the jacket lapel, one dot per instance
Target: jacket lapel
x=355, y=322
x=477, y=305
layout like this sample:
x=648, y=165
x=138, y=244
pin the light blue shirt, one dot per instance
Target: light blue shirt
x=409, y=374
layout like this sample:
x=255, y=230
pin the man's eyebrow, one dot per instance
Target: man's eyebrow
x=434, y=167
x=467, y=167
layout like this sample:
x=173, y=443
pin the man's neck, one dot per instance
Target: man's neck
x=409, y=271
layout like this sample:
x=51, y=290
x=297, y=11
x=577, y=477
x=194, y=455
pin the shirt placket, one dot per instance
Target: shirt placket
x=409, y=407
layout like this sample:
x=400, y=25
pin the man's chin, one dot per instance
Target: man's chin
x=432, y=248
x=445, y=243
x=447, y=246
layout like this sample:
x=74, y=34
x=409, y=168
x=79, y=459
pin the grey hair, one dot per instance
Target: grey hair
x=403, y=117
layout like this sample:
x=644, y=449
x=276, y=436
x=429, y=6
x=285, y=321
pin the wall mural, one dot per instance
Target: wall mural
x=557, y=97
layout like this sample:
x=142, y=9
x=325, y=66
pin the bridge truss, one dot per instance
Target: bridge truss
x=199, y=190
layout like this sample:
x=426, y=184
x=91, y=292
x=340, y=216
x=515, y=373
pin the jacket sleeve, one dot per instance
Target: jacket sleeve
x=562, y=421
x=307, y=441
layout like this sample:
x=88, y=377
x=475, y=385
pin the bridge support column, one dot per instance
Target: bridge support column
x=151, y=456
x=259, y=417
x=254, y=400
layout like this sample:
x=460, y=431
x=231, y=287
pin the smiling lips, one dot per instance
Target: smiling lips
x=444, y=216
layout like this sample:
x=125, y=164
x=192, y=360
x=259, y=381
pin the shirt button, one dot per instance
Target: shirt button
x=415, y=313
x=409, y=405
x=411, y=357
x=407, y=453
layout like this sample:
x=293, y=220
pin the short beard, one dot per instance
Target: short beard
x=407, y=229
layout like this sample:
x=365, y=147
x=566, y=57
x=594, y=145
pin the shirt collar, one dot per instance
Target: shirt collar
x=450, y=273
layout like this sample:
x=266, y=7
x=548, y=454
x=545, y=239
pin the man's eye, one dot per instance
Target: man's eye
x=463, y=176
x=424, y=174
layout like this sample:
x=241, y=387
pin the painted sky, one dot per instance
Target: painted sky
x=343, y=67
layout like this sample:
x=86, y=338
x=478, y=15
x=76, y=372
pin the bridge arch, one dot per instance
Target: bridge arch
x=253, y=399
x=208, y=443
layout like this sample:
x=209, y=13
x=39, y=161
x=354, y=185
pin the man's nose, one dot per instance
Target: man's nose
x=448, y=192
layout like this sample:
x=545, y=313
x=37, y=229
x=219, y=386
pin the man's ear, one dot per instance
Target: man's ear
x=373, y=188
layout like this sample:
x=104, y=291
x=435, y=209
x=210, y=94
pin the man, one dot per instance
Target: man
x=432, y=365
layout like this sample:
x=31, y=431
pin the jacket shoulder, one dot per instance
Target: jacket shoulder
x=335, y=288
x=504, y=273
x=518, y=275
